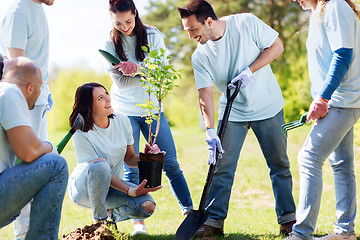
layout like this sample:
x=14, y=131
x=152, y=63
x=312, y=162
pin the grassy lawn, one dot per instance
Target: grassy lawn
x=251, y=214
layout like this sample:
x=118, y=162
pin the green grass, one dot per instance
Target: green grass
x=251, y=214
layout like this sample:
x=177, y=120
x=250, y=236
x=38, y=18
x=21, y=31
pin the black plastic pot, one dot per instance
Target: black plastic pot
x=151, y=170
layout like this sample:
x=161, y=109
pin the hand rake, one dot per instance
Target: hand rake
x=291, y=125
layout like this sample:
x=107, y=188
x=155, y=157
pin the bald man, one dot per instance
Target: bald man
x=43, y=173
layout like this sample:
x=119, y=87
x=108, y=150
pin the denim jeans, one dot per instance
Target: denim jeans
x=43, y=180
x=38, y=116
x=92, y=190
x=330, y=137
x=273, y=145
x=172, y=169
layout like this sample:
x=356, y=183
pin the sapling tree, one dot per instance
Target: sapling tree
x=158, y=77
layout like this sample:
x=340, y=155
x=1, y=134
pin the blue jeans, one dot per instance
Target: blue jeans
x=273, y=145
x=330, y=137
x=43, y=180
x=172, y=169
x=91, y=189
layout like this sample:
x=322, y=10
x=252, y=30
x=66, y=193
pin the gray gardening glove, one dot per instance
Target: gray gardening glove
x=214, y=143
x=244, y=77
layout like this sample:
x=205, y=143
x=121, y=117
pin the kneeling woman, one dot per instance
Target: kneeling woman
x=102, y=147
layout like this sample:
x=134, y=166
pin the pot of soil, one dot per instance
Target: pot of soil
x=150, y=168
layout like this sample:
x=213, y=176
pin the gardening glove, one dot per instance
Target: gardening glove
x=154, y=149
x=141, y=190
x=244, y=78
x=127, y=68
x=214, y=143
x=318, y=109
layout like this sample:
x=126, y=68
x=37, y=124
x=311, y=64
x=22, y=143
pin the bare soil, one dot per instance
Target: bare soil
x=96, y=231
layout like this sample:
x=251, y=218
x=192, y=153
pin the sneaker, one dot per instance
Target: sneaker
x=337, y=236
x=206, y=230
x=293, y=237
x=139, y=229
x=286, y=228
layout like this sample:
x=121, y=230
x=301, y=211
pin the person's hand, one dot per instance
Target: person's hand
x=318, y=109
x=127, y=68
x=53, y=148
x=154, y=149
x=141, y=190
x=214, y=143
x=244, y=77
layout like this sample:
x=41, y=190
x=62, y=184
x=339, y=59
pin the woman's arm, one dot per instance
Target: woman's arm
x=131, y=158
x=122, y=81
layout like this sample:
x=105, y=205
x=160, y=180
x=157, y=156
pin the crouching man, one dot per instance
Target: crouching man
x=43, y=173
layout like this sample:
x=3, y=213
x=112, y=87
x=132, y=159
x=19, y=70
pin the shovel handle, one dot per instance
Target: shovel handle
x=230, y=100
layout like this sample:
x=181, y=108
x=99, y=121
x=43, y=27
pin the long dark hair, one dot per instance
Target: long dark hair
x=84, y=103
x=140, y=29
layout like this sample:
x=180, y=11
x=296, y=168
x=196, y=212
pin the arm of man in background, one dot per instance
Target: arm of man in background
x=15, y=52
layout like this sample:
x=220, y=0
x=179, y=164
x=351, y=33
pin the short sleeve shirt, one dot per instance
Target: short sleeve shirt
x=110, y=144
x=25, y=27
x=218, y=62
x=14, y=112
x=337, y=28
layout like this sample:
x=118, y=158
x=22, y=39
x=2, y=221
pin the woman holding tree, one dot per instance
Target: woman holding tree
x=127, y=37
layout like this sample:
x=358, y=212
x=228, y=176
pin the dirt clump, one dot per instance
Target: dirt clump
x=97, y=231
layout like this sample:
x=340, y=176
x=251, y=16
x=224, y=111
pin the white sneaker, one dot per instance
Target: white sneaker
x=337, y=236
x=139, y=229
x=293, y=237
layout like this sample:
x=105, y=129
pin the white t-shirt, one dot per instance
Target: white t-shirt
x=338, y=28
x=14, y=112
x=218, y=62
x=124, y=100
x=25, y=27
x=110, y=144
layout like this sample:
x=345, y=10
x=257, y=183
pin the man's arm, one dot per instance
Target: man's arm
x=15, y=52
x=206, y=102
x=268, y=55
x=26, y=144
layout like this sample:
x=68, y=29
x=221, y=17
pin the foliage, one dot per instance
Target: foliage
x=63, y=90
x=158, y=77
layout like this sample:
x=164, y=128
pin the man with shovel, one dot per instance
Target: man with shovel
x=239, y=48
x=43, y=173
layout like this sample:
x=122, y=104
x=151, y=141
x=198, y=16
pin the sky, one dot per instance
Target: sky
x=78, y=28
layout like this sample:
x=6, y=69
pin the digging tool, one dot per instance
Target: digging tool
x=78, y=125
x=291, y=125
x=196, y=218
x=109, y=57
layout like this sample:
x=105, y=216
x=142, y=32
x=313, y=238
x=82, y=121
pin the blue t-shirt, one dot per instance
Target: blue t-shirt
x=338, y=28
x=25, y=27
x=218, y=62
x=14, y=112
x=109, y=143
x=124, y=99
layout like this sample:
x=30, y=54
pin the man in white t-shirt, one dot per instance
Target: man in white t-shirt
x=43, y=173
x=233, y=48
x=24, y=32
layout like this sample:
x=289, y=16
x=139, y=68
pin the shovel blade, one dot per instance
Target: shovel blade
x=191, y=224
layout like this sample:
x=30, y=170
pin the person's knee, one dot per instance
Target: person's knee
x=99, y=167
x=149, y=207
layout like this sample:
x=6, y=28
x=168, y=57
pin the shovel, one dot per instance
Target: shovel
x=196, y=218
x=109, y=57
x=78, y=125
x=291, y=125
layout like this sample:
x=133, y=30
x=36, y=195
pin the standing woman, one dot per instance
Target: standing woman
x=126, y=39
x=102, y=148
x=333, y=48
